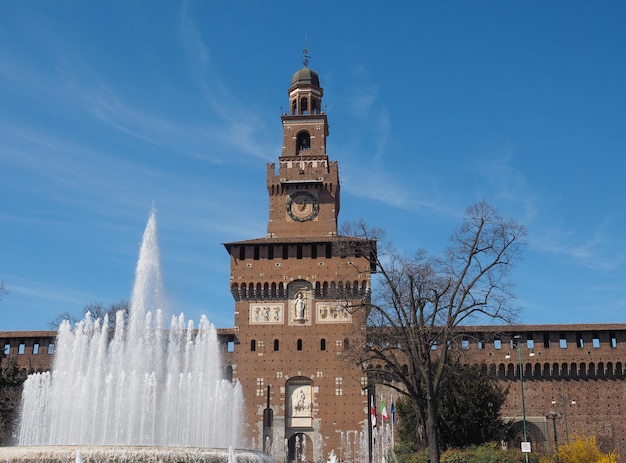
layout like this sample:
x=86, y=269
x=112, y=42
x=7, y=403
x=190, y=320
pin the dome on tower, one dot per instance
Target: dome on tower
x=305, y=76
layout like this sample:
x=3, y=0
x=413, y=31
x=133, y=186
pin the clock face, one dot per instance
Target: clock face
x=302, y=206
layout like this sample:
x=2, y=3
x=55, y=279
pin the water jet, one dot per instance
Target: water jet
x=140, y=392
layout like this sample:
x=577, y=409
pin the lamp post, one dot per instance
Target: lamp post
x=553, y=415
x=564, y=400
x=518, y=347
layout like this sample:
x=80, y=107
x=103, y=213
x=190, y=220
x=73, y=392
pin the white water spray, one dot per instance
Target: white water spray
x=141, y=384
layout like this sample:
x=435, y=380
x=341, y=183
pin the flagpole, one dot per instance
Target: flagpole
x=393, y=419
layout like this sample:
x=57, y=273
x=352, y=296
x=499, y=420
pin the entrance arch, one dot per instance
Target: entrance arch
x=515, y=436
x=299, y=448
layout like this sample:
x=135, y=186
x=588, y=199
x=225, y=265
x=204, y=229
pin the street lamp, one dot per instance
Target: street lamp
x=553, y=415
x=564, y=406
x=517, y=346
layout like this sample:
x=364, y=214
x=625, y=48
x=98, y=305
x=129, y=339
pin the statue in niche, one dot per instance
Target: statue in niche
x=300, y=305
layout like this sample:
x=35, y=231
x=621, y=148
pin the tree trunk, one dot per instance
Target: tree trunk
x=431, y=430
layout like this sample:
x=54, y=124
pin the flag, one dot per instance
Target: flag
x=373, y=413
x=383, y=410
x=393, y=412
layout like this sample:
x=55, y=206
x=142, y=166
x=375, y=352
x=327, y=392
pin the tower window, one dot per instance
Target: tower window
x=299, y=251
x=304, y=105
x=252, y=345
x=323, y=344
x=304, y=141
x=276, y=344
x=299, y=344
x=314, y=251
x=256, y=252
x=285, y=251
x=329, y=250
x=270, y=252
x=242, y=253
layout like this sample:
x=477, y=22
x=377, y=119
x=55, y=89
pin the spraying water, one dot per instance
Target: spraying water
x=139, y=385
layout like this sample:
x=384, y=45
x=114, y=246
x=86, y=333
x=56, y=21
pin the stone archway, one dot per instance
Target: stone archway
x=515, y=435
x=299, y=448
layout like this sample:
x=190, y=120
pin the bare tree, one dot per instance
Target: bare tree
x=419, y=303
x=97, y=310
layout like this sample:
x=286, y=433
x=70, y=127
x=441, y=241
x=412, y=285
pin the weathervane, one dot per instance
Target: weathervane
x=306, y=57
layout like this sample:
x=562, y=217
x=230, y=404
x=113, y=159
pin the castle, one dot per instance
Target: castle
x=302, y=398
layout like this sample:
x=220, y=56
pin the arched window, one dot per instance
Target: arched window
x=304, y=141
x=323, y=344
x=346, y=344
x=234, y=289
x=276, y=344
x=252, y=345
x=299, y=344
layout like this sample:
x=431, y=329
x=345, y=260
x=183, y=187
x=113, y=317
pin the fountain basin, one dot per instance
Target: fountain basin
x=128, y=454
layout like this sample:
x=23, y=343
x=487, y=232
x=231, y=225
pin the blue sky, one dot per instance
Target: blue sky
x=107, y=108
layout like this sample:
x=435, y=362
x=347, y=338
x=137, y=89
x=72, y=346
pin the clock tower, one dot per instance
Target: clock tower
x=295, y=291
x=304, y=193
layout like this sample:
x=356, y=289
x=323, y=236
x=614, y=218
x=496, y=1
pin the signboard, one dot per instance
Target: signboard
x=526, y=447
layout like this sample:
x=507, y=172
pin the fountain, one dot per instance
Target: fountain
x=139, y=393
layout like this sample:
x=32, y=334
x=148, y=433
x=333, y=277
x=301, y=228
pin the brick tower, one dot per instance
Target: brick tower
x=293, y=290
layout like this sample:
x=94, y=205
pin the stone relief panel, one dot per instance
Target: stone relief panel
x=267, y=314
x=300, y=405
x=332, y=312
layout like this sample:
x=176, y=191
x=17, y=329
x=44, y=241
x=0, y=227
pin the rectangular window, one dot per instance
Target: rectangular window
x=562, y=341
x=231, y=346
x=242, y=253
x=579, y=340
x=270, y=252
x=257, y=252
x=481, y=345
x=329, y=250
x=51, y=348
x=314, y=251
x=497, y=344
x=546, y=340
x=299, y=251
x=613, y=339
x=465, y=344
x=20, y=350
x=596, y=339
x=530, y=343
x=285, y=251
x=35, y=348
x=7, y=349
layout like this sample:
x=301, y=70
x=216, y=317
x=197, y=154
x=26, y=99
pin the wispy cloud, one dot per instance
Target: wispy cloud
x=597, y=251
